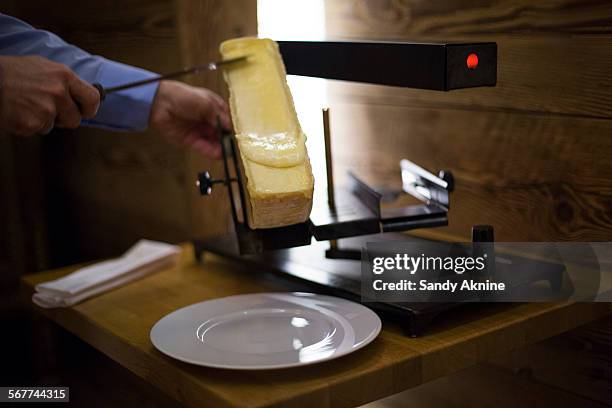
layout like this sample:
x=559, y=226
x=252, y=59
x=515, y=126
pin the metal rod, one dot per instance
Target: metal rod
x=241, y=187
x=331, y=200
x=224, y=148
x=211, y=66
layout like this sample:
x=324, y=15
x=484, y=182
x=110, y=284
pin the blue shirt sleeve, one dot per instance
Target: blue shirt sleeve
x=126, y=110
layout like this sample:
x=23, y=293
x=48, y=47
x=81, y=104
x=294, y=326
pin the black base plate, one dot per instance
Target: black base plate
x=334, y=274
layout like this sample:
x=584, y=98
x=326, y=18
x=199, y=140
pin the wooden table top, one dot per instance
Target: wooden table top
x=118, y=323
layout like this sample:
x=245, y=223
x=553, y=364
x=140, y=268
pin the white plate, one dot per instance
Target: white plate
x=265, y=330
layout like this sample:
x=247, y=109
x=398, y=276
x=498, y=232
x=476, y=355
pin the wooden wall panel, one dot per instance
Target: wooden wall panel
x=544, y=74
x=530, y=176
x=387, y=18
x=554, y=56
x=204, y=24
x=139, y=32
x=106, y=190
x=530, y=155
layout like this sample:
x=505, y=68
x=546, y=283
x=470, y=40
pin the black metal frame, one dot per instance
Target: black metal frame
x=357, y=211
x=435, y=66
x=425, y=66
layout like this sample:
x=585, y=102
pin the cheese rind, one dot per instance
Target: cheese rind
x=278, y=176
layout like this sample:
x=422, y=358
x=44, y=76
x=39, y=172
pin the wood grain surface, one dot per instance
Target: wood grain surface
x=485, y=386
x=422, y=18
x=118, y=324
x=578, y=361
x=529, y=155
x=533, y=177
x=553, y=56
x=203, y=25
x=544, y=75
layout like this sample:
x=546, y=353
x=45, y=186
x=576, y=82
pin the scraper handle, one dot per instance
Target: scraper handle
x=101, y=90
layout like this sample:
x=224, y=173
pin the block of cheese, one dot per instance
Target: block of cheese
x=272, y=146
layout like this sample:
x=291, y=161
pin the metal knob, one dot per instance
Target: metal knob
x=447, y=176
x=483, y=233
x=205, y=183
x=483, y=246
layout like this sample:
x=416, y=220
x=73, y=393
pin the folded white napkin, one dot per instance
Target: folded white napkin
x=143, y=258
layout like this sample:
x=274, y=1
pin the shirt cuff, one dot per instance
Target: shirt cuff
x=126, y=110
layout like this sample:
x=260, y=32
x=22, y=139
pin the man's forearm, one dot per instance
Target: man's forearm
x=126, y=110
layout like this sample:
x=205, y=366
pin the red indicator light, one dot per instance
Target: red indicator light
x=472, y=61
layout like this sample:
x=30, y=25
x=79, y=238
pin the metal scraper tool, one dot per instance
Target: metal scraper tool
x=211, y=66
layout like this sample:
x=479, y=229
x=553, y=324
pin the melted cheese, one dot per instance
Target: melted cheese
x=270, y=181
x=278, y=177
x=266, y=126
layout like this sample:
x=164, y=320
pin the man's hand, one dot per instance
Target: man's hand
x=37, y=94
x=188, y=115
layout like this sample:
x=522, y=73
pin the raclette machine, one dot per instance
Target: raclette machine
x=354, y=213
